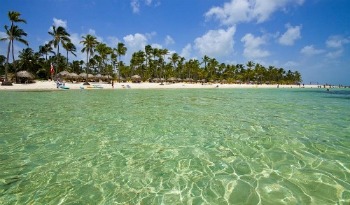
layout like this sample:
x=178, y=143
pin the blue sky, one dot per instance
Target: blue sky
x=311, y=36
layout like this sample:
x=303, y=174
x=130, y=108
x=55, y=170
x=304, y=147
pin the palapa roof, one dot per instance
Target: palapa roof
x=64, y=73
x=25, y=74
x=135, y=77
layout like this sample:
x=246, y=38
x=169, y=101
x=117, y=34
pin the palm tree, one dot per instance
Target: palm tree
x=70, y=47
x=104, y=51
x=205, y=61
x=60, y=35
x=174, y=58
x=120, y=51
x=148, y=51
x=13, y=33
x=14, y=17
x=89, y=42
x=45, y=50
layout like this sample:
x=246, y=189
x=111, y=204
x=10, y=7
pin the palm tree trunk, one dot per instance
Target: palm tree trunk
x=87, y=67
x=6, y=82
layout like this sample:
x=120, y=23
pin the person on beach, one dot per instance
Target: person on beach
x=112, y=84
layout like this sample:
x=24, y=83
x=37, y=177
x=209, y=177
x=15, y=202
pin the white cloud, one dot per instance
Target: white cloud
x=156, y=45
x=231, y=13
x=150, y=35
x=263, y=9
x=113, y=41
x=252, y=47
x=291, y=64
x=186, y=51
x=169, y=40
x=337, y=41
x=216, y=43
x=135, y=5
x=335, y=54
x=311, y=51
x=59, y=22
x=135, y=42
x=148, y=2
x=290, y=36
x=237, y=11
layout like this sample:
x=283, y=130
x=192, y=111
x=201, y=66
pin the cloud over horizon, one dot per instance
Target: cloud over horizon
x=238, y=11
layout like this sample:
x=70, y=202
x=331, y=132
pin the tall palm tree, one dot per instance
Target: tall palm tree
x=104, y=51
x=14, y=17
x=205, y=59
x=174, y=58
x=120, y=51
x=70, y=48
x=60, y=35
x=89, y=42
x=13, y=33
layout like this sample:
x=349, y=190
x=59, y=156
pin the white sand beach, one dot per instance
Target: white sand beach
x=51, y=85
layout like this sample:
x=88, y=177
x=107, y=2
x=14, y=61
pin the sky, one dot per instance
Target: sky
x=309, y=36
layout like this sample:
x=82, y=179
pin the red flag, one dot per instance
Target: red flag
x=52, y=70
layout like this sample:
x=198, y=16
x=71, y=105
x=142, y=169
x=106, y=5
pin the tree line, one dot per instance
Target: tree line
x=149, y=63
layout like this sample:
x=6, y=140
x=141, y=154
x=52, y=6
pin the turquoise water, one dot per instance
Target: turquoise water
x=195, y=146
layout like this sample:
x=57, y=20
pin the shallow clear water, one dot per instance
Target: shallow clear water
x=195, y=146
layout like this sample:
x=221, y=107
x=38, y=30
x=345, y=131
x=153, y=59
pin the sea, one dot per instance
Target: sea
x=175, y=146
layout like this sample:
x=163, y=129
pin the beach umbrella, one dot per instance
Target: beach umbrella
x=106, y=77
x=64, y=74
x=155, y=80
x=98, y=76
x=90, y=76
x=188, y=80
x=172, y=79
x=73, y=76
x=25, y=74
x=136, y=78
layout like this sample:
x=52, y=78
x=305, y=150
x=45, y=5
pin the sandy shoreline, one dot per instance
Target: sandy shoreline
x=51, y=85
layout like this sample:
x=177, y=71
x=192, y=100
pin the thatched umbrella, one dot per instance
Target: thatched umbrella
x=136, y=78
x=188, y=80
x=155, y=80
x=91, y=76
x=24, y=76
x=172, y=79
x=107, y=78
x=98, y=76
x=64, y=74
x=73, y=76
